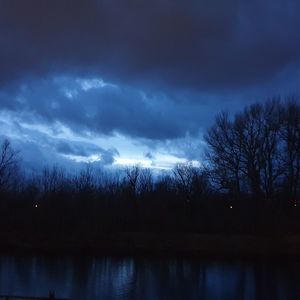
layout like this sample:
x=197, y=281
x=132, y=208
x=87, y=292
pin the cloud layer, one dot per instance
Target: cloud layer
x=144, y=77
x=206, y=44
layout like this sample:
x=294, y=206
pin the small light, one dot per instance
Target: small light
x=36, y=206
x=295, y=204
x=230, y=206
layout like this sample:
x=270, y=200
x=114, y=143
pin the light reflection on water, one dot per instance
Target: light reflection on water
x=129, y=278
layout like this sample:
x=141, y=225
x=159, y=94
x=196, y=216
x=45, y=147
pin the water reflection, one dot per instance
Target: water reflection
x=111, y=278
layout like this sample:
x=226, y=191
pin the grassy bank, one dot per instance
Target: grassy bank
x=201, y=245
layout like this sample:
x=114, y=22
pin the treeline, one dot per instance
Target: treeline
x=249, y=181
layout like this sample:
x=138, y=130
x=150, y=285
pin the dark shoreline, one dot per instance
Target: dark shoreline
x=216, y=246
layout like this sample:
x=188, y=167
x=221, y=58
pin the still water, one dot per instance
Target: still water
x=145, y=279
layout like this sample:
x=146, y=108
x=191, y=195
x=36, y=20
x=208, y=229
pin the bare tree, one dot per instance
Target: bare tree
x=132, y=175
x=259, y=127
x=290, y=134
x=183, y=176
x=86, y=181
x=245, y=152
x=112, y=182
x=272, y=167
x=224, y=154
x=250, y=127
x=145, y=181
x=53, y=180
x=8, y=164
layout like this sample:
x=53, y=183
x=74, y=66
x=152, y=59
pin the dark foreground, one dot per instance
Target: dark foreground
x=199, y=245
x=18, y=297
x=128, y=278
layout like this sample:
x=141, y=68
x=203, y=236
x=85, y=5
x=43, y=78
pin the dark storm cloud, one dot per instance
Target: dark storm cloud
x=65, y=147
x=39, y=149
x=107, y=156
x=198, y=44
x=105, y=110
x=149, y=155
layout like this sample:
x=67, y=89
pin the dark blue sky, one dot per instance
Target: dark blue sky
x=117, y=82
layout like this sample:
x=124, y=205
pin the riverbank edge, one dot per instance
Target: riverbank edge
x=155, y=244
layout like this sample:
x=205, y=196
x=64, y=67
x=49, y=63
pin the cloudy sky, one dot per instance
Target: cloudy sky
x=119, y=82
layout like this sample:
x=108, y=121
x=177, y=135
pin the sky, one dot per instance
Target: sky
x=125, y=82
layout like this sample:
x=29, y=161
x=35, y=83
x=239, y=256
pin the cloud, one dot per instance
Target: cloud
x=140, y=75
x=41, y=145
x=108, y=156
x=105, y=109
x=197, y=44
x=87, y=152
x=149, y=155
x=65, y=147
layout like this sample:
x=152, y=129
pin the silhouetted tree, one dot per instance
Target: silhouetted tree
x=8, y=164
x=259, y=127
x=224, y=155
x=271, y=147
x=183, y=177
x=131, y=181
x=245, y=153
x=131, y=178
x=290, y=134
x=53, y=180
x=145, y=182
x=85, y=182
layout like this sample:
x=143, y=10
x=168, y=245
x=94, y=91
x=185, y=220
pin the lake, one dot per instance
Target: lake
x=145, y=278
